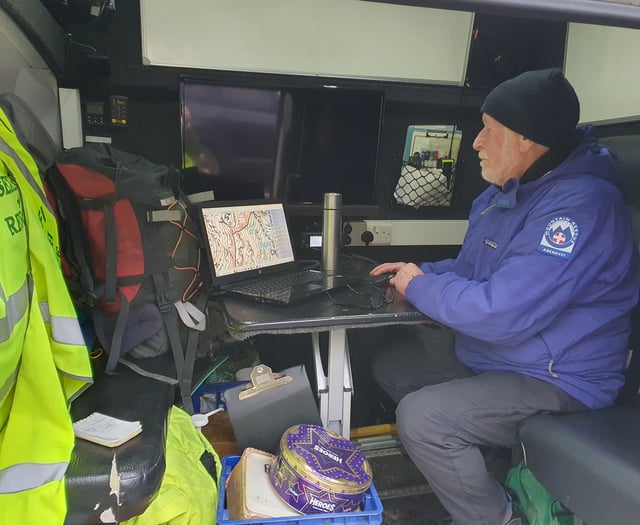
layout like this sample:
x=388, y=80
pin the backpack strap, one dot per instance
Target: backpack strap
x=186, y=379
x=161, y=283
x=106, y=204
x=164, y=215
x=191, y=315
x=75, y=243
x=115, y=345
x=111, y=252
x=151, y=375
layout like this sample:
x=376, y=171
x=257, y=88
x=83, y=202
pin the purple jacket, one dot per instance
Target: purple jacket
x=545, y=280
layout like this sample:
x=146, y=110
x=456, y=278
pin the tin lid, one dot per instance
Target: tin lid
x=326, y=458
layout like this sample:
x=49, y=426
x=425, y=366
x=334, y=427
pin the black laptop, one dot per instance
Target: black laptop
x=251, y=254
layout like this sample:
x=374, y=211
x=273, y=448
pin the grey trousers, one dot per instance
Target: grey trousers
x=445, y=412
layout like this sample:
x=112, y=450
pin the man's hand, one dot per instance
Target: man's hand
x=404, y=272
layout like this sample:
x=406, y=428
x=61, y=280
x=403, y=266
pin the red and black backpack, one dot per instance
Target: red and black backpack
x=132, y=253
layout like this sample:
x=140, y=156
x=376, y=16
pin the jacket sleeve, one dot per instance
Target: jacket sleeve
x=438, y=267
x=529, y=288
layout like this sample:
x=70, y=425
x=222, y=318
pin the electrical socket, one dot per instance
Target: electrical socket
x=382, y=232
x=353, y=230
x=406, y=233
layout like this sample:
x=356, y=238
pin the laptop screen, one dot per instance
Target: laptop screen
x=247, y=237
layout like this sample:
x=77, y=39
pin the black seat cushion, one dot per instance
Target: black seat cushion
x=106, y=485
x=589, y=460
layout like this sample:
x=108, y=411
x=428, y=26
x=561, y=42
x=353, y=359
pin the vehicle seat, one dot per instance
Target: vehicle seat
x=110, y=485
x=590, y=460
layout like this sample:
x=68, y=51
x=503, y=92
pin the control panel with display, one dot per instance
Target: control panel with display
x=119, y=107
x=97, y=113
x=94, y=113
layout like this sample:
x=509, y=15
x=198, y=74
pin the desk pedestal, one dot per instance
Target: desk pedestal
x=322, y=314
x=336, y=388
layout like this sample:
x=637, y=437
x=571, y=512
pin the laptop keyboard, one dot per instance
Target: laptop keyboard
x=277, y=282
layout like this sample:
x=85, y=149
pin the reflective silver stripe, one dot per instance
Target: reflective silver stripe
x=87, y=380
x=64, y=330
x=26, y=476
x=17, y=305
x=4, y=389
x=5, y=148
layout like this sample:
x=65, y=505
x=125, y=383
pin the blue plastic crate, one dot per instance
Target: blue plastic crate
x=370, y=514
x=213, y=388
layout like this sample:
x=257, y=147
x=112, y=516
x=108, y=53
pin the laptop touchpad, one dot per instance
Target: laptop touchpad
x=308, y=287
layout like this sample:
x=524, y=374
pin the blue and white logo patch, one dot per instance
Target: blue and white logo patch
x=559, y=237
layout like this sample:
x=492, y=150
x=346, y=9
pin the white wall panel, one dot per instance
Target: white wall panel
x=341, y=38
x=603, y=64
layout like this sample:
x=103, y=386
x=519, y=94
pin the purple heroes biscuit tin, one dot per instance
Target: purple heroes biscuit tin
x=318, y=471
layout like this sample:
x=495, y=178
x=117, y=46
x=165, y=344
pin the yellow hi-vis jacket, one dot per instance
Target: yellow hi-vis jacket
x=44, y=363
x=188, y=493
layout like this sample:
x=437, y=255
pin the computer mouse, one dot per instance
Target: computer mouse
x=382, y=278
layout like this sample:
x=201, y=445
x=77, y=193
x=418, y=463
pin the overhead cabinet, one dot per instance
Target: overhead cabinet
x=332, y=38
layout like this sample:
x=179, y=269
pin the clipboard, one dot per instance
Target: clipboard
x=261, y=411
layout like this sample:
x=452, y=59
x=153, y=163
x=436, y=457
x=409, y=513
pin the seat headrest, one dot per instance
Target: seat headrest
x=627, y=148
x=30, y=131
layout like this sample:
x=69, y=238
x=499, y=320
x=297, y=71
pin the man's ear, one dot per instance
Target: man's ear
x=524, y=144
x=528, y=146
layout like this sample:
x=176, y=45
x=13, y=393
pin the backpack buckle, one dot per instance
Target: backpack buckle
x=164, y=303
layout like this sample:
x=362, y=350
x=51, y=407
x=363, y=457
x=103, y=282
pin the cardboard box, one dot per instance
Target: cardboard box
x=249, y=491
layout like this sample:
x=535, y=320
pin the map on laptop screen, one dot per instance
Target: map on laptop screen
x=243, y=238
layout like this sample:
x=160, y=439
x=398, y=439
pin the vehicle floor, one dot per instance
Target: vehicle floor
x=406, y=497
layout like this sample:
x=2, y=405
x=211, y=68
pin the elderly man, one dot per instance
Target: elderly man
x=537, y=303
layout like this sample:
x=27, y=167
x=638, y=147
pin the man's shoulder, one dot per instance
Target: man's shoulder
x=580, y=188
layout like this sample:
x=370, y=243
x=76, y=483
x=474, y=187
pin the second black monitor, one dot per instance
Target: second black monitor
x=336, y=146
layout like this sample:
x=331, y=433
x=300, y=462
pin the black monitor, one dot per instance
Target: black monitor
x=274, y=142
x=336, y=145
x=231, y=137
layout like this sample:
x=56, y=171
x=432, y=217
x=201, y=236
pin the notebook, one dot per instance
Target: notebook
x=251, y=254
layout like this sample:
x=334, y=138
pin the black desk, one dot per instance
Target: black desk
x=246, y=318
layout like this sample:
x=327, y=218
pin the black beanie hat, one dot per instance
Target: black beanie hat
x=541, y=105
